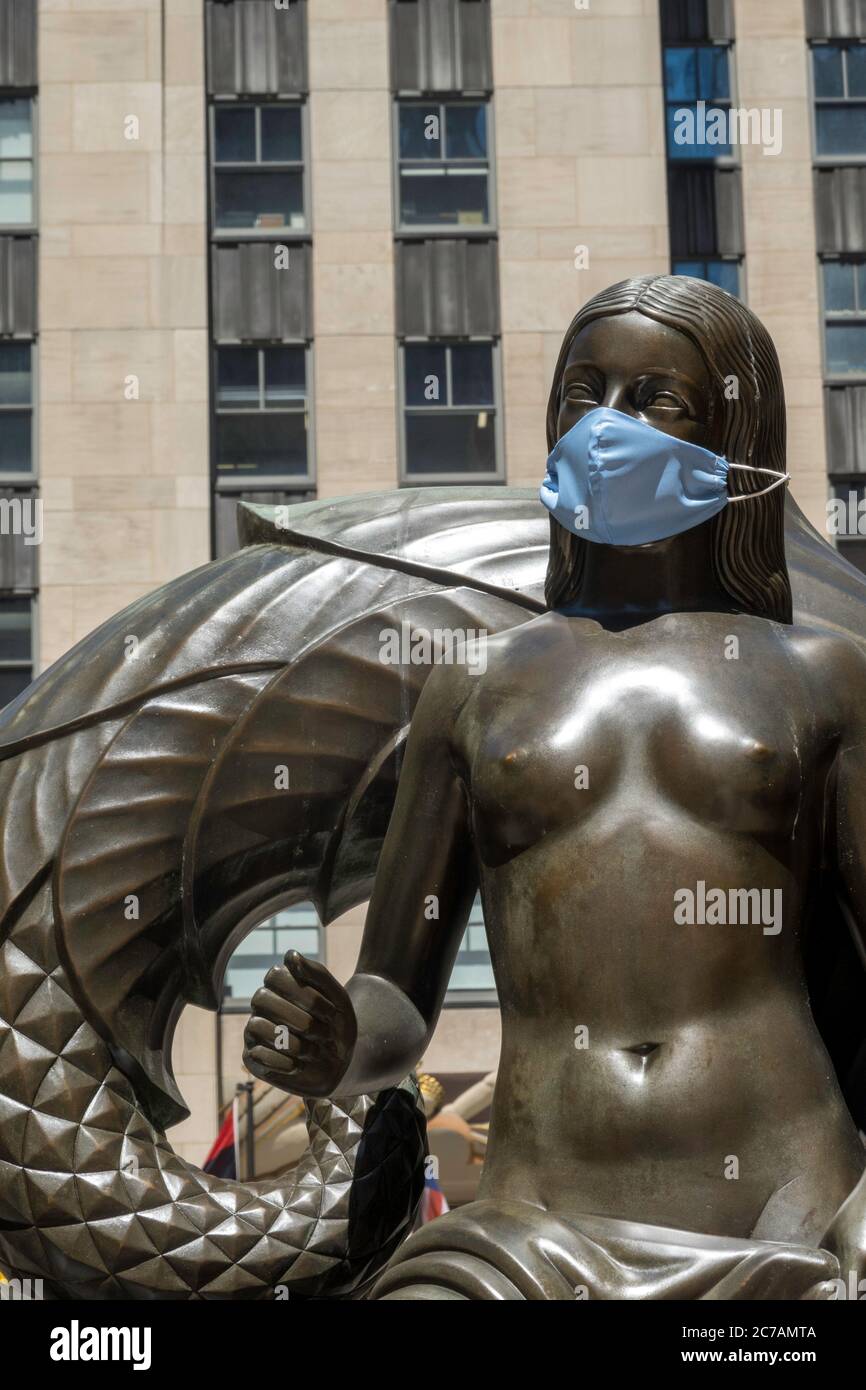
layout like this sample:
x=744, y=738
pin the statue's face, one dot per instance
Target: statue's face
x=642, y=368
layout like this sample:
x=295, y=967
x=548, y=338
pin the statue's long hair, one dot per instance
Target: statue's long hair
x=748, y=541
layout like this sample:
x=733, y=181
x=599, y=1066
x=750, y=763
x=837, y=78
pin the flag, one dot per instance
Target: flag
x=222, y=1160
x=433, y=1200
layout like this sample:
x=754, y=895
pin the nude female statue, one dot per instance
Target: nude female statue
x=667, y=1120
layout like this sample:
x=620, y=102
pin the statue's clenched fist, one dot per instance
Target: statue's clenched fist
x=302, y=1028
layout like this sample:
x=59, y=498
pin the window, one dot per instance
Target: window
x=16, y=162
x=16, y=408
x=444, y=170
x=839, y=76
x=696, y=73
x=473, y=971
x=261, y=412
x=450, y=424
x=845, y=317
x=725, y=274
x=293, y=929
x=16, y=646
x=258, y=159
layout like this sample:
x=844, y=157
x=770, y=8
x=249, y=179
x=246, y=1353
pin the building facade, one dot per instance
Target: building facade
x=283, y=249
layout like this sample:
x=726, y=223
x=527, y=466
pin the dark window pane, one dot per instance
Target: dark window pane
x=281, y=133
x=443, y=199
x=426, y=374
x=841, y=129
x=14, y=373
x=697, y=269
x=261, y=444
x=472, y=374
x=259, y=200
x=861, y=287
x=238, y=377
x=15, y=448
x=15, y=641
x=681, y=74
x=420, y=132
x=855, y=553
x=857, y=71
x=846, y=348
x=827, y=68
x=466, y=132
x=450, y=443
x=713, y=81
x=234, y=134
x=839, y=288
x=696, y=134
x=725, y=274
x=285, y=376
x=12, y=683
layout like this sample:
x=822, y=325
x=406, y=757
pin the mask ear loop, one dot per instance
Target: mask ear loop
x=753, y=468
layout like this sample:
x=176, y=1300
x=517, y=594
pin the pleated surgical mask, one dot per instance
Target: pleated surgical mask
x=616, y=480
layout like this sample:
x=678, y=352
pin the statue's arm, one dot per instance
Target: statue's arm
x=307, y=1033
x=846, y=1236
x=425, y=885
x=850, y=806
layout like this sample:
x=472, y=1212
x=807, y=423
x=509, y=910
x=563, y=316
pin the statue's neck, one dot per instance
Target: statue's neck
x=625, y=585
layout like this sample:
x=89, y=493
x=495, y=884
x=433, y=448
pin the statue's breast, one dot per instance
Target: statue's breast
x=619, y=724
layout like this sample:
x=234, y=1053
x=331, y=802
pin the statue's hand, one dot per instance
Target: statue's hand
x=302, y=1029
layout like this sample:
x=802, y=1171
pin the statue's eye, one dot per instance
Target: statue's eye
x=580, y=391
x=664, y=400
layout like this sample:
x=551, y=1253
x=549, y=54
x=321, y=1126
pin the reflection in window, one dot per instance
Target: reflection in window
x=696, y=73
x=450, y=408
x=839, y=78
x=261, y=421
x=845, y=317
x=258, y=167
x=725, y=274
x=16, y=408
x=293, y=929
x=16, y=646
x=16, y=163
x=444, y=171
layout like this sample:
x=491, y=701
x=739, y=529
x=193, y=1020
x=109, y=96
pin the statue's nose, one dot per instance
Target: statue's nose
x=616, y=398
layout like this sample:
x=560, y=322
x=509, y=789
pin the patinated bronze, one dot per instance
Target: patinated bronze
x=697, y=1142
x=677, y=1105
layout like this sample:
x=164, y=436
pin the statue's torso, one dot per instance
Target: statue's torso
x=606, y=773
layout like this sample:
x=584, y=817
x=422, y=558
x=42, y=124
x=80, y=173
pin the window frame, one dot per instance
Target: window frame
x=264, y=482
x=20, y=478
x=33, y=664
x=31, y=227
x=237, y=1004
x=472, y=998
x=453, y=230
x=724, y=161
x=269, y=166
x=832, y=161
x=829, y=317
x=467, y=479
x=738, y=261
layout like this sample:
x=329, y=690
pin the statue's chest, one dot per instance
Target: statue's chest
x=629, y=729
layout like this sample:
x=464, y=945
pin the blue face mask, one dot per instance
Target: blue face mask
x=618, y=481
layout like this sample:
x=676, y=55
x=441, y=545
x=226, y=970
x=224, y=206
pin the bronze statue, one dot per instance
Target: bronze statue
x=675, y=1111
x=699, y=1144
